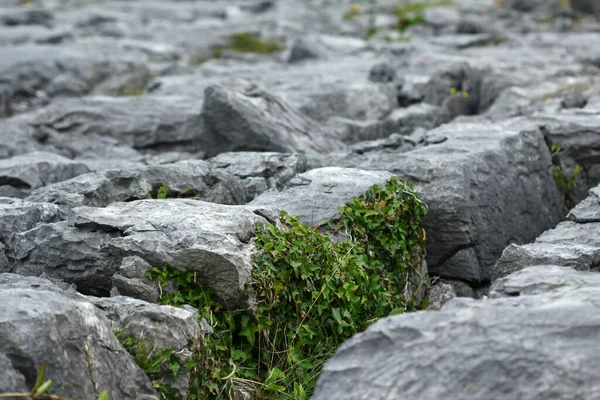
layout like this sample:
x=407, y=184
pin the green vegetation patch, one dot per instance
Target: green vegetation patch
x=248, y=43
x=313, y=291
x=242, y=43
x=353, y=12
x=410, y=14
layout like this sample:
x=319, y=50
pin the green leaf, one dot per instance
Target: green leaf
x=103, y=395
x=44, y=387
x=162, y=193
x=41, y=376
x=397, y=311
x=174, y=366
x=335, y=312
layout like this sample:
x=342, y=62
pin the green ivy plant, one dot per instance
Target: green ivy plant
x=155, y=364
x=314, y=287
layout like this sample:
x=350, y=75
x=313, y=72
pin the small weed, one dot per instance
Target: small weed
x=241, y=43
x=566, y=183
x=156, y=365
x=372, y=31
x=353, y=12
x=41, y=388
x=547, y=20
x=248, y=43
x=163, y=192
x=412, y=13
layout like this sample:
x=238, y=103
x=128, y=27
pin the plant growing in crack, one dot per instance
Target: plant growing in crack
x=565, y=181
x=41, y=388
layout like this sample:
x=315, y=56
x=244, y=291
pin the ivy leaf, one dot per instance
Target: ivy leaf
x=335, y=312
x=103, y=395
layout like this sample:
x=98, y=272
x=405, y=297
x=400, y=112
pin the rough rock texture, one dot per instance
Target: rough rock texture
x=159, y=327
x=541, y=279
x=260, y=171
x=140, y=122
x=473, y=173
x=541, y=344
x=193, y=178
x=87, y=250
x=257, y=120
x=316, y=196
x=35, y=73
x=574, y=243
x=465, y=103
x=21, y=174
x=38, y=325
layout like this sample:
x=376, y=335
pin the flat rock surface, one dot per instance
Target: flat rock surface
x=192, y=178
x=87, y=249
x=38, y=325
x=316, y=196
x=540, y=344
x=573, y=243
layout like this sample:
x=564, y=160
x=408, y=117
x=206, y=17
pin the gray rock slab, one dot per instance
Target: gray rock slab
x=316, y=196
x=321, y=89
x=526, y=347
x=74, y=337
x=578, y=133
x=30, y=171
x=139, y=122
x=542, y=279
x=20, y=216
x=486, y=185
x=214, y=240
x=17, y=138
x=256, y=120
x=574, y=243
x=158, y=327
x=192, y=178
x=33, y=72
x=260, y=171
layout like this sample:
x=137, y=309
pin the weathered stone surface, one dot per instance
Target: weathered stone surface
x=574, y=243
x=131, y=280
x=479, y=172
x=543, y=279
x=21, y=174
x=16, y=139
x=87, y=250
x=342, y=90
x=159, y=327
x=257, y=120
x=193, y=178
x=316, y=196
x=260, y=171
x=31, y=70
x=578, y=133
x=347, y=91
x=140, y=122
x=586, y=6
x=84, y=357
x=445, y=290
x=20, y=216
x=527, y=347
